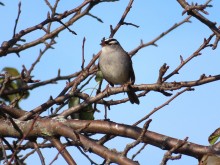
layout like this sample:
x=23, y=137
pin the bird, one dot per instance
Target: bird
x=116, y=66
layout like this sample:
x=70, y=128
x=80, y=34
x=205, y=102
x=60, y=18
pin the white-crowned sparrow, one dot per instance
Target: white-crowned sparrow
x=116, y=66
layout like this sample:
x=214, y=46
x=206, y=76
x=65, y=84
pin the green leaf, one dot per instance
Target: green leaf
x=214, y=136
x=87, y=113
x=11, y=71
x=15, y=84
x=73, y=101
x=99, y=76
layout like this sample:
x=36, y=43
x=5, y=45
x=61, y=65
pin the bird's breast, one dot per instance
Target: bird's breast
x=115, y=67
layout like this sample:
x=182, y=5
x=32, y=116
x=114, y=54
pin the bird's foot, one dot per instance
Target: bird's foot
x=107, y=89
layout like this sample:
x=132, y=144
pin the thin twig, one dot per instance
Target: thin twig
x=5, y=82
x=121, y=21
x=168, y=154
x=39, y=153
x=48, y=4
x=97, y=18
x=153, y=42
x=23, y=138
x=42, y=52
x=8, y=47
x=16, y=21
x=61, y=151
x=83, y=55
x=31, y=145
x=28, y=154
x=139, y=139
x=91, y=161
x=139, y=151
x=73, y=32
x=127, y=23
x=11, y=148
x=162, y=71
x=195, y=54
x=212, y=25
x=3, y=151
x=161, y=106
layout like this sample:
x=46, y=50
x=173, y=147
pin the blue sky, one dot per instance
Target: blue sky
x=194, y=114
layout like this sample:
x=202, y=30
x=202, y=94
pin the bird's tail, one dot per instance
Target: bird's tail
x=132, y=96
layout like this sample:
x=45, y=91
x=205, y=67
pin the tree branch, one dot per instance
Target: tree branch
x=60, y=126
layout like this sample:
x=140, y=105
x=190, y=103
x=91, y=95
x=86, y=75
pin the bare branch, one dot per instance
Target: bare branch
x=204, y=45
x=121, y=22
x=139, y=151
x=83, y=56
x=153, y=42
x=42, y=52
x=139, y=139
x=191, y=11
x=168, y=154
x=39, y=153
x=62, y=150
x=161, y=106
x=58, y=126
x=7, y=46
x=97, y=18
x=16, y=21
x=162, y=71
x=27, y=126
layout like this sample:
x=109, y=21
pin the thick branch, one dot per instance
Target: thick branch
x=53, y=127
